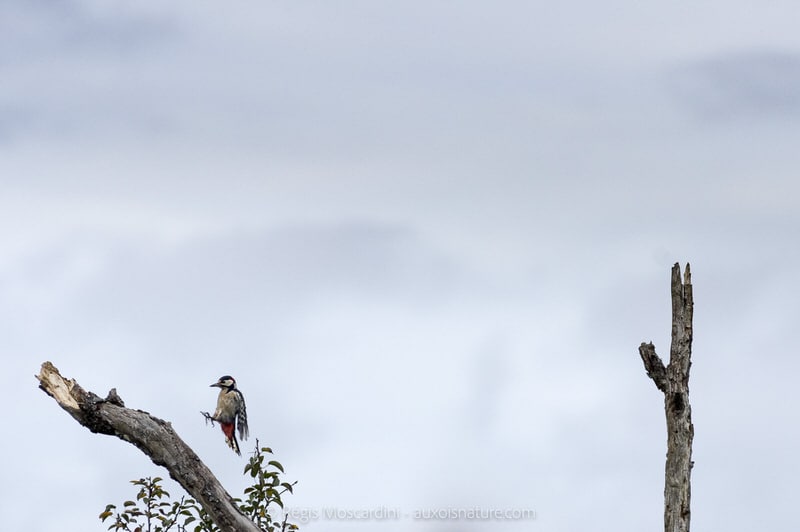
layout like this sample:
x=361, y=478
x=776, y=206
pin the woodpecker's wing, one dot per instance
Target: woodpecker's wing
x=244, y=431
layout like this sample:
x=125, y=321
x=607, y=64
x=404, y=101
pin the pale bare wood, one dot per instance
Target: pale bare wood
x=154, y=437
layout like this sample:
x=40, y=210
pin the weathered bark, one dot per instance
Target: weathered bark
x=673, y=380
x=155, y=437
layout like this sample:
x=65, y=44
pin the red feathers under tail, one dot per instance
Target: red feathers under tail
x=230, y=436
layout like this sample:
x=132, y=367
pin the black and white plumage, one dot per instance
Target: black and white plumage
x=231, y=412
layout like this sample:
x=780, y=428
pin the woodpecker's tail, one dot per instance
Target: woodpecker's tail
x=230, y=437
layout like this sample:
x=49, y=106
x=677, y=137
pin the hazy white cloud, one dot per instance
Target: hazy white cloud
x=749, y=85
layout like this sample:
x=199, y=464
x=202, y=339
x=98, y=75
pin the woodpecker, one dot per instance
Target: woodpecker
x=230, y=411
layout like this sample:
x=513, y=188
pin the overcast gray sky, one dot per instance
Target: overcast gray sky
x=427, y=239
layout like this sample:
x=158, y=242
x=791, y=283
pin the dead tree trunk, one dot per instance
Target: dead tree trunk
x=155, y=437
x=673, y=380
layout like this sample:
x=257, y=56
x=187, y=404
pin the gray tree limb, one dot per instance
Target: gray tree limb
x=653, y=365
x=673, y=381
x=154, y=437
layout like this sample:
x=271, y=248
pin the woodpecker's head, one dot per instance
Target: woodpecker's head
x=226, y=381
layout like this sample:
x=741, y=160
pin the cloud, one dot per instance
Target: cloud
x=748, y=85
x=63, y=64
x=43, y=30
x=251, y=285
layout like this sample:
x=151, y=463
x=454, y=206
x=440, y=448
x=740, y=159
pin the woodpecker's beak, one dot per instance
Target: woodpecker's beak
x=216, y=384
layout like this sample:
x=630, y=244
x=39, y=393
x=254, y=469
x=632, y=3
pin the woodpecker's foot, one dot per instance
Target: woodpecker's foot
x=208, y=417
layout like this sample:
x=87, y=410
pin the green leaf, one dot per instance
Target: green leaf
x=276, y=464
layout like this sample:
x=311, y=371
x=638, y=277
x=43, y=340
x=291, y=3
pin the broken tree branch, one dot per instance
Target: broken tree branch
x=673, y=381
x=653, y=365
x=154, y=437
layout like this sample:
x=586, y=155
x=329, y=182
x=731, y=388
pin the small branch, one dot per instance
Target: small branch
x=154, y=437
x=653, y=365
